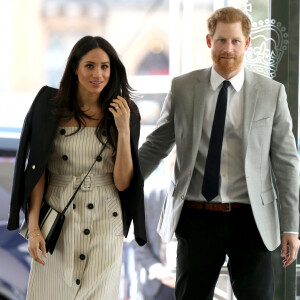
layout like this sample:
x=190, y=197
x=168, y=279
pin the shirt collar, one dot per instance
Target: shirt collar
x=236, y=81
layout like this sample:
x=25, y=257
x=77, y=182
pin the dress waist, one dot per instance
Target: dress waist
x=91, y=181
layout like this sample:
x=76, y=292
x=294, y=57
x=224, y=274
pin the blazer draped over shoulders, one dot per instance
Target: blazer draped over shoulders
x=36, y=140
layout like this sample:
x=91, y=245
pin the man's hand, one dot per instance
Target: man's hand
x=163, y=274
x=291, y=241
x=169, y=281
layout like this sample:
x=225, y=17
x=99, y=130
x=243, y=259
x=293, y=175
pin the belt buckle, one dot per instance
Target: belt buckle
x=229, y=208
x=88, y=182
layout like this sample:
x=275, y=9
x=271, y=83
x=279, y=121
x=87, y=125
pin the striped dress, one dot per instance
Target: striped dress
x=86, y=263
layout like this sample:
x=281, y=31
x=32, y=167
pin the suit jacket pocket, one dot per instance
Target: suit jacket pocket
x=268, y=196
x=115, y=213
x=261, y=123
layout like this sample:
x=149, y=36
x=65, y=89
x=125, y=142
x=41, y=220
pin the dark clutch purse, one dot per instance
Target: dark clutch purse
x=51, y=220
x=50, y=223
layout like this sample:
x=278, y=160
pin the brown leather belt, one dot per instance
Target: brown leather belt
x=223, y=207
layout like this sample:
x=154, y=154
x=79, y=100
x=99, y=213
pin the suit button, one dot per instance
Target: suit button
x=65, y=157
x=115, y=214
x=62, y=131
x=74, y=206
x=33, y=167
x=99, y=158
x=86, y=231
x=77, y=281
x=82, y=256
x=90, y=206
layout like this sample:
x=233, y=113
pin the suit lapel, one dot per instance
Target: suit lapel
x=251, y=95
x=200, y=91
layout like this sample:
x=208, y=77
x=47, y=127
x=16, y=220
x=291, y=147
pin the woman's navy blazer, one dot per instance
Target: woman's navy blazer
x=38, y=133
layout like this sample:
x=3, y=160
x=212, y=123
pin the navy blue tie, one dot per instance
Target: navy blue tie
x=211, y=179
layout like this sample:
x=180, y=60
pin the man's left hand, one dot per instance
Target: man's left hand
x=291, y=241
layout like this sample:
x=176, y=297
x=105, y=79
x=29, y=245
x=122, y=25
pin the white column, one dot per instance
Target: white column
x=218, y=4
x=187, y=35
x=6, y=50
x=175, y=37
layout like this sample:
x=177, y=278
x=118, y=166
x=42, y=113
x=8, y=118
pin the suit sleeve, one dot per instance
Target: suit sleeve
x=285, y=164
x=17, y=198
x=132, y=198
x=135, y=129
x=161, y=141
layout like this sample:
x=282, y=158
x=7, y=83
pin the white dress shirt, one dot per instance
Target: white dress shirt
x=233, y=187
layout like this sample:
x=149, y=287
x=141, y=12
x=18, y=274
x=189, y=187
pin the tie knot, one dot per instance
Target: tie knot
x=226, y=83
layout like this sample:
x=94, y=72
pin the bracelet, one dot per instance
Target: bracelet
x=33, y=236
x=34, y=229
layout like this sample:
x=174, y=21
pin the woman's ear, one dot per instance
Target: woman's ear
x=74, y=68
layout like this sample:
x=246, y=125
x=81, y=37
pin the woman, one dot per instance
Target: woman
x=63, y=134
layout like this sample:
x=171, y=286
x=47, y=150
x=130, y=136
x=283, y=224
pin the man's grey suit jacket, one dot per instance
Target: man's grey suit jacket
x=268, y=147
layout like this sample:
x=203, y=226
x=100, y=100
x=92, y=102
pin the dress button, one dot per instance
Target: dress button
x=82, y=256
x=99, y=158
x=90, y=206
x=77, y=281
x=86, y=231
x=74, y=206
x=115, y=214
x=33, y=167
x=65, y=157
x=62, y=131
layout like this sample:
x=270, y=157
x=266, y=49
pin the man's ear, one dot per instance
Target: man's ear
x=208, y=40
x=247, y=44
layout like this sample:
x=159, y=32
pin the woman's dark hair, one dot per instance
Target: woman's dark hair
x=66, y=104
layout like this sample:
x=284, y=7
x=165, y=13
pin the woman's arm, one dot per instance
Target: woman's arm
x=36, y=240
x=123, y=169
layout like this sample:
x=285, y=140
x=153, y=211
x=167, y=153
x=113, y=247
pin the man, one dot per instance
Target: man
x=232, y=130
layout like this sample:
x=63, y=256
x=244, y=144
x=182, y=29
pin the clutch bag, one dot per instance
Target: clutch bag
x=50, y=223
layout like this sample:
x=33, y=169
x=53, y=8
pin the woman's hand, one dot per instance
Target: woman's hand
x=121, y=112
x=36, y=242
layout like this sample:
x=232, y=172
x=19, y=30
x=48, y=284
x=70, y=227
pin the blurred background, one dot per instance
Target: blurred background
x=156, y=40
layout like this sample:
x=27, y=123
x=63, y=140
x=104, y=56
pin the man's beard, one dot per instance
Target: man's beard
x=227, y=65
